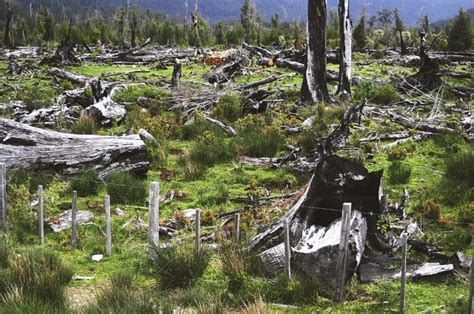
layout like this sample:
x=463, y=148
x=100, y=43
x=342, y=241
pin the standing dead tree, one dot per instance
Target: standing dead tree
x=133, y=30
x=195, y=20
x=6, y=32
x=176, y=79
x=345, y=63
x=314, y=86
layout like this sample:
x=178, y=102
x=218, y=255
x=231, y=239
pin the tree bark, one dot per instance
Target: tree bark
x=195, y=20
x=6, y=34
x=345, y=63
x=133, y=30
x=403, y=47
x=176, y=79
x=26, y=147
x=314, y=86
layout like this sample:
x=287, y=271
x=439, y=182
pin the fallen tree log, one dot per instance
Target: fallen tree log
x=65, y=75
x=29, y=148
x=418, y=125
x=375, y=268
x=226, y=72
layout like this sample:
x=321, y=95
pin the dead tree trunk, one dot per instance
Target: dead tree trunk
x=26, y=147
x=6, y=34
x=345, y=62
x=403, y=47
x=195, y=20
x=133, y=30
x=314, y=86
x=176, y=79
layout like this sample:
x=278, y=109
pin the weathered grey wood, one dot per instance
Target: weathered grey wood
x=471, y=292
x=108, y=226
x=3, y=200
x=74, y=221
x=286, y=234
x=176, y=77
x=314, y=86
x=237, y=227
x=65, y=75
x=342, y=256
x=24, y=147
x=198, y=231
x=345, y=62
x=226, y=128
x=153, y=214
x=403, y=273
x=40, y=214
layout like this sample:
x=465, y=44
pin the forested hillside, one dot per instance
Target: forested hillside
x=215, y=10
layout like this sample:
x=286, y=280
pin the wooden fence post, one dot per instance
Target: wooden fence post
x=403, y=273
x=108, y=227
x=286, y=234
x=198, y=231
x=3, y=199
x=342, y=256
x=471, y=292
x=40, y=214
x=153, y=214
x=74, y=221
x=237, y=228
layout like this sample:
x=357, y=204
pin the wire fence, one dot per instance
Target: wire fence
x=154, y=227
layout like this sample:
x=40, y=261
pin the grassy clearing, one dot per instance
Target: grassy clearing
x=230, y=280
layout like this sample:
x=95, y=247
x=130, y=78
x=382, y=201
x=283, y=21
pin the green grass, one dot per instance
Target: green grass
x=215, y=190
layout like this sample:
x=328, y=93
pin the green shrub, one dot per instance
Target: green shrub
x=466, y=213
x=38, y=274
x=237, y=264
x=429, y=210
x=211, y=196
x=36, y=98
x=210, y=149
x=385, y=95
x=179, y=266
x=86, y=183
x=198, y=127
x=125, y=188
x=4, y=252
x=85, y=125
x=307, y=138
x=21, y=219
x=158, y=155
x=450, y=142
x=257, y=138
x=401, y=152
x=399, y=172
x=460, y=167
x=30, y=180
x=120, y=297
x=165, y=125
x=299, y=290
x=190, y=169
x=29, y=306
x=133, y=92
x=362, y=91
x=229, y=108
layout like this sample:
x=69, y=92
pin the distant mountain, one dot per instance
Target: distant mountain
x=443, y=23
x=215, y=10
